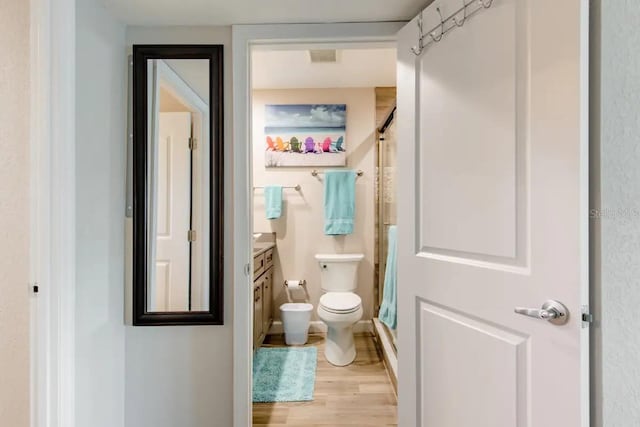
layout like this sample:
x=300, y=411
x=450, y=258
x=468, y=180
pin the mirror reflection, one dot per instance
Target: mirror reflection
x=177, y=185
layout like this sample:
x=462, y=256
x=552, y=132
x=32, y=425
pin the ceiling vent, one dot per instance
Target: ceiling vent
x=323, y=55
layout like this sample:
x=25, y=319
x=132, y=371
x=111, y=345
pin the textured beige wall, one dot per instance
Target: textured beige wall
x=14, y=213
x=299, y=231
x=615, y=212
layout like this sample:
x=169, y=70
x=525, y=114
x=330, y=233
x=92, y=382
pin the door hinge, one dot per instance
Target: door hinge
x=587, y=318
x=191, y=235
x=193, y=144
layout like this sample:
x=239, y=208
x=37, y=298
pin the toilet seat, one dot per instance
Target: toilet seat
x=340, y=302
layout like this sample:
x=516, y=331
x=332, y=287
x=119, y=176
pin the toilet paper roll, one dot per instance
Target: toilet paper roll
x=293, y=284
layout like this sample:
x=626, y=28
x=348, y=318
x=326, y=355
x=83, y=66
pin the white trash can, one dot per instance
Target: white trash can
x=295, y=320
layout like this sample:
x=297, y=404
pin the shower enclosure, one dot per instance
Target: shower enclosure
x=385, y=191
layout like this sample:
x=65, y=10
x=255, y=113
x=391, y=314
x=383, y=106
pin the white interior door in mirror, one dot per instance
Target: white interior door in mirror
x=493, y=214
x=173, y=211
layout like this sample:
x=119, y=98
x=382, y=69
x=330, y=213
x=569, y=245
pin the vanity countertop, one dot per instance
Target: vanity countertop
x=262, y=247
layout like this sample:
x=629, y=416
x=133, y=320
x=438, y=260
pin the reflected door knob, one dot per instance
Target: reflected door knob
x=553, y=311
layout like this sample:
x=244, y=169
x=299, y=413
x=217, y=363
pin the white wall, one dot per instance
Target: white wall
x=299, y=231
x=100, y=189
x=615, y=228
x=182, y=376
x=14, y=213
x=354, y=67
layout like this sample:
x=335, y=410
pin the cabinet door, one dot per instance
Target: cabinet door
x=267, y=300
x=257, y=312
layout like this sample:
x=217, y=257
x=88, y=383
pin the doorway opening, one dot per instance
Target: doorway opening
x=322, y=112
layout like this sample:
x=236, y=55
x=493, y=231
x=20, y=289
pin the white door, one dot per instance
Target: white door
x=493, y=215
x=173, y=212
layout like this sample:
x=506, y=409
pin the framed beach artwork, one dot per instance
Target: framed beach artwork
x=305, y=135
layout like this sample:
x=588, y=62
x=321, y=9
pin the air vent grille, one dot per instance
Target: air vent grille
x=323, y=55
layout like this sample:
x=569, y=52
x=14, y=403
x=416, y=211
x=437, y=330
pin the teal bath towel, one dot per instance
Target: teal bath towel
x=273, y=201
x=389, y=308
x=339, y=201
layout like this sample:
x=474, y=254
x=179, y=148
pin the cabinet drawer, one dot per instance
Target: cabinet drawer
x=268, y=258
x=258, y=265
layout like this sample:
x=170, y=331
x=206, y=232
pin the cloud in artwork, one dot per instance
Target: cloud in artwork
x=317, y=115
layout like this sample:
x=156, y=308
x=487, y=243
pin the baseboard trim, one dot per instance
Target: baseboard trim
x=319, y=327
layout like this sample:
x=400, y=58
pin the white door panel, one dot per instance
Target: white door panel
x=465, y=100
x=452, y=398
x=493, y=215
x=173, y=212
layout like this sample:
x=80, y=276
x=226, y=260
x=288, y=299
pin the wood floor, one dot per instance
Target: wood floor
x=356, y=395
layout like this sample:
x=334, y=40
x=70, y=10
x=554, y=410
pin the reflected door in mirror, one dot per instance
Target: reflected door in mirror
x=169, y=291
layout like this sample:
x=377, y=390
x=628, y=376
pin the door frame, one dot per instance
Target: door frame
x=244, y=37
x=52, y=239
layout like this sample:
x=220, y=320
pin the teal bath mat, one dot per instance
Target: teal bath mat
x=284, y=374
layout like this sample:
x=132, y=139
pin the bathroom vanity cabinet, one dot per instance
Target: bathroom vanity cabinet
x=262, y=294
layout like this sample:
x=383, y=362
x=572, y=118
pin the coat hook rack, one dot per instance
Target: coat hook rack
x=447, y=24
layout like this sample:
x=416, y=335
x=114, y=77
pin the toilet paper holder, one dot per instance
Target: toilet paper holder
x=302, y=285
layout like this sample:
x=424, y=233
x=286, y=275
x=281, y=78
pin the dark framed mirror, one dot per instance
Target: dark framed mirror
x=177, y=185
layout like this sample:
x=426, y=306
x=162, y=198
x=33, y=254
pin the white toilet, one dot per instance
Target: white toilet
x=340, y=308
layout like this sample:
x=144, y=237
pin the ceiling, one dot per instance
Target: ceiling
x=227, y=12
x=293, y=69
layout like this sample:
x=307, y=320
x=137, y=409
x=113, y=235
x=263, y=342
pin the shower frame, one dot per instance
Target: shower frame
x=380, y=218
x=386, y=144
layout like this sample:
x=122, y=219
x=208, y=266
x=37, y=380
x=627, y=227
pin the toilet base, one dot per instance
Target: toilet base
x=340, y=347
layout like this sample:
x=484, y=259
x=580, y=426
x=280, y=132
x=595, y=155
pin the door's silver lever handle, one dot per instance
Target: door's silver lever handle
x=553, y=311
x=537, y=312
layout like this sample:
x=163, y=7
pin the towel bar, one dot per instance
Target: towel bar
x=316, y=172
x=295, y=187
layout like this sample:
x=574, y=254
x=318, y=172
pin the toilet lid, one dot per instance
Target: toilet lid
x=340, y=301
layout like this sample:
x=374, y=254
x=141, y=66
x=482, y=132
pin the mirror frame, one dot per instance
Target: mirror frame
x=215, y=314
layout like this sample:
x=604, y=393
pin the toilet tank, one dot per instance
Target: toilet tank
x=339, y=272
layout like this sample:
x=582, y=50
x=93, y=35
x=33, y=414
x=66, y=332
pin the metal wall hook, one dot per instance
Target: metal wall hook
x=464, y=16
x=417, y=50
x=439, y=36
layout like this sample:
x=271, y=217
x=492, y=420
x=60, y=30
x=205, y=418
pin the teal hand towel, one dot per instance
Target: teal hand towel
x=389, y=308
x=273, y=201
x=339, y=201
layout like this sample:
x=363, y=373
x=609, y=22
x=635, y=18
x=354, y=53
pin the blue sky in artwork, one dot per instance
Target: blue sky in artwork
x=312, y=115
